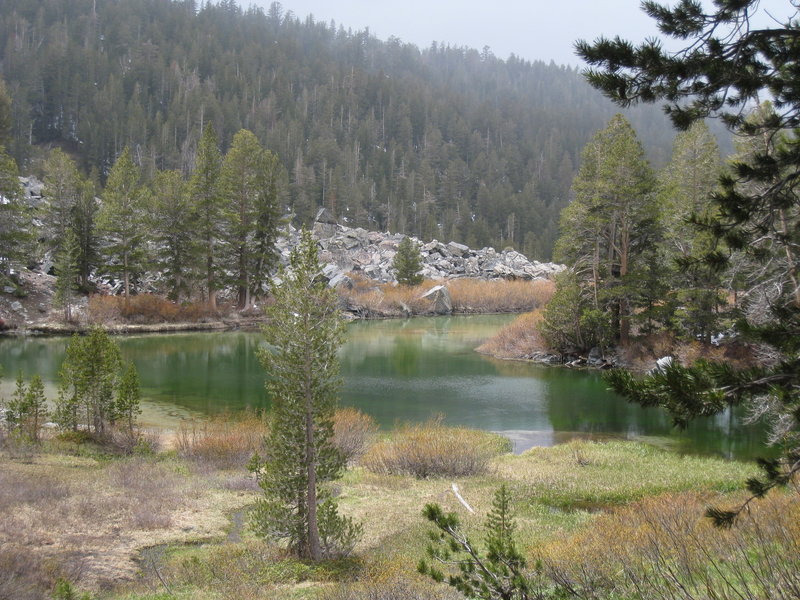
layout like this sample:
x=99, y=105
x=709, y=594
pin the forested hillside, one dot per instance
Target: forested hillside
x=442, y=142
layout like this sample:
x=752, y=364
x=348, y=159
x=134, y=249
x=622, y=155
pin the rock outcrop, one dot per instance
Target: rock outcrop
x=344, y=249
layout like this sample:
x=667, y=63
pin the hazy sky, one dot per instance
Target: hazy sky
x=533, y=29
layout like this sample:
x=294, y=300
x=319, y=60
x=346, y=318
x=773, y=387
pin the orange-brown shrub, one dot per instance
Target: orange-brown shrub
x=144, y=308
x=353, y=431
x=224, y=441
x=520, y=339
x=433, y=450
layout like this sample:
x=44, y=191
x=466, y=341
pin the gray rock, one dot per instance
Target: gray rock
x=457, y=249
x=9, y=289
x=17, y=307
x=440, y=297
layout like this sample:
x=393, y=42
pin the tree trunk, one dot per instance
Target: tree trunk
x=125, y=275
x=314, y=549
x=624, y=323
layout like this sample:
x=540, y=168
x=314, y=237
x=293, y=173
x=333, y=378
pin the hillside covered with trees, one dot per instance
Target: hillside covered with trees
x=441, y=142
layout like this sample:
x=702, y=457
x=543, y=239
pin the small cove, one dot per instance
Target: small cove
x=398, y=371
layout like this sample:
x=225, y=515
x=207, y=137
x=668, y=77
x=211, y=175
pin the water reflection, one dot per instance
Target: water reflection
x=400, y=371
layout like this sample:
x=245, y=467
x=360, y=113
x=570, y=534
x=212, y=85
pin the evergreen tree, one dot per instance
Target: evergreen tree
x=611, y=224
x=126, y=403
x=66, y=268
x=304, y=332
x=726, y=64
x=497, y=574
x=27, y=410
x=15, y=222
x=5, y=115
x=83, y=223
x=208, y=207
x=249, y=188
x=89, y=379
x=62, y=188
x=122, y=220
x=407, y=263
x=171, y=224
x=685, y=186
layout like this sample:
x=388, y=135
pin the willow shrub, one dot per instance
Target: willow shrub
x=433, y=450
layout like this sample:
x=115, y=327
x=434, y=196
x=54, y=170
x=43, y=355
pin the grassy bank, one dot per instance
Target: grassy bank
x=172, y=524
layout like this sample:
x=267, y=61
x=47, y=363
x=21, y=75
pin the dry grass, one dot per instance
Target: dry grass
x=663, y=547
x=433, y=450
x=500, y=296
x=468, y=296
x=222, y=442
x=353, y=431
x=85, y=519
x=520, y=339
x=145, y=309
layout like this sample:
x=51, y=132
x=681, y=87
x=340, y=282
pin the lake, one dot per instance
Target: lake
x=398, y=371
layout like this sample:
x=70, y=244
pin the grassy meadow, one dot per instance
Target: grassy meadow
x=615, y=519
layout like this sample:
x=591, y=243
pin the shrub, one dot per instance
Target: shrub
x=145, y=309
x=433, y=450
x=353, y=431
x=224, y=441
x=664, y=547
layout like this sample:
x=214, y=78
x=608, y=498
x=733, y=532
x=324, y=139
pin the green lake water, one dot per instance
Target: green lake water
x=398, y=371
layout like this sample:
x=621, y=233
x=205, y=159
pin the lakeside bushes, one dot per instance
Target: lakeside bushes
x=145, y=309
x=433, y=450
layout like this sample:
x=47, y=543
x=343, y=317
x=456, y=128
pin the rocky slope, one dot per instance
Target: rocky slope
x=344, y=249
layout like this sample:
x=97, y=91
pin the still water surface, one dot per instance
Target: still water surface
x=398, y=371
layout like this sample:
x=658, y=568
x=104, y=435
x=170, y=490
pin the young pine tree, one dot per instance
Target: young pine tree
x=304, y=334
x=496, y=574
x=126, y=403
x=408, y=263
x=89, y=382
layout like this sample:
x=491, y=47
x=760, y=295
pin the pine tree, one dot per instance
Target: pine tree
x=27, y=408
x=684, y=190
x=66, y=268
x=407, y=263
x=497, y=574
x=249, y=188
x=725, y=64
x=304, y=333
x=208, y=211
x=83, y=223
x=611, y=224
x=122, y=220
x=171, y=224
x=88, y=378
x=126, y=403
x=16, y=226
x=62, y=189
x=35, y=407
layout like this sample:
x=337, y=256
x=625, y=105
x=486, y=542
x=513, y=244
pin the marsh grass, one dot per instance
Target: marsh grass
x=614, y=473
